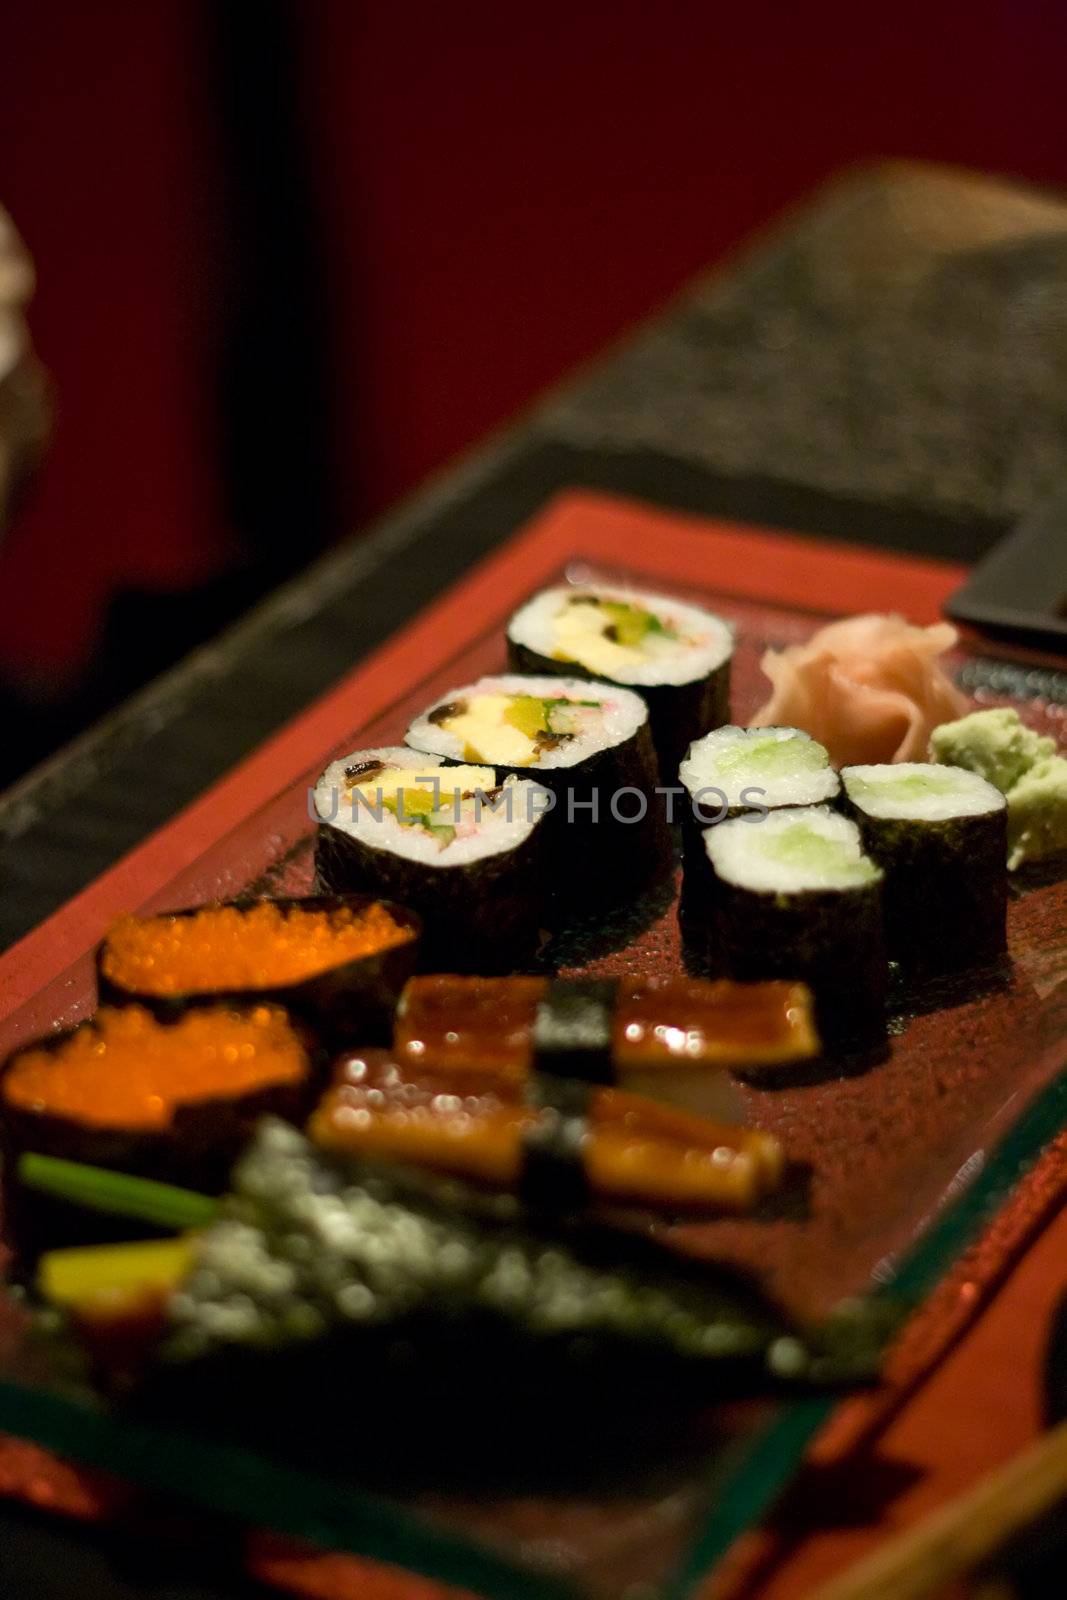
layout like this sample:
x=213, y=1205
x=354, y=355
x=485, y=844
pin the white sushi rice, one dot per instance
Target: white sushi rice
x=500, y=827
x=920, y=791
x=705, y=641
x=780, y=766
x=786, y=852
x=616, y=717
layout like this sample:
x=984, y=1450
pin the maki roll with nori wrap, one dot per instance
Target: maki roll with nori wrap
x=172, y=1101
x=792, y=894
x=734, y=770
x=675, y=655
x=669, y=1038
x=459, y=843
x=590, y=748
x=339, y=963
x=940, y=833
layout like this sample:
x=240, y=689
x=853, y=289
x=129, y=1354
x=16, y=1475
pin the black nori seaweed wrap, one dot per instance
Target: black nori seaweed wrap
x=573, y=1029
x=946, y=887
x=353, y=1000
x=460, y=1294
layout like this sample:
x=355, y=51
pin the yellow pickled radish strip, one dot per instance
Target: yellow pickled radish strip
x=78, y=1277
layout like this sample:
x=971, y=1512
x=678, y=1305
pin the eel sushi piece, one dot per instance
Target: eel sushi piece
x=556, y=1142
x=675, y=655
x=590, y=748
x=665, y=1037
x=172, y=1101
x=340, y=964
x=461, y=844
x=792, y=894
x=940, y=833
x=440, y=1287
x=733, y=771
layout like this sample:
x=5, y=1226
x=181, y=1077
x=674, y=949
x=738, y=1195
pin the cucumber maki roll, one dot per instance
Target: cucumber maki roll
x=941, y=835
x=459, y=844
x=590, y=748
x=676, y=656
x=792, y=895
x=733, y=770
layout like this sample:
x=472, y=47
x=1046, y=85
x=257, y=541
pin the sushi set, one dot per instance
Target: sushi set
x=609, y=1016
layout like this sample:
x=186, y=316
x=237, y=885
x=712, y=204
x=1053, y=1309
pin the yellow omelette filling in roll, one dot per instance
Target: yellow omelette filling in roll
x=513, y=730
x=609, y=636
x=436, y=798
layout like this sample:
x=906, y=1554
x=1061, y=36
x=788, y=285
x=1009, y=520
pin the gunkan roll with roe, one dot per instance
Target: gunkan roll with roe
x=337, y=962
x=590, y=746
x=171, y=1101
x=676, y=655
x=460, y=844
x=941, y=835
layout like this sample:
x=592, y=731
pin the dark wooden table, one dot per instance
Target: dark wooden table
x=887, y=365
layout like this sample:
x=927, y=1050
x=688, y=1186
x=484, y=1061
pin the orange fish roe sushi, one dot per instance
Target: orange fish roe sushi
x=175, y=1101
x=231, y=948
x=127, y=1070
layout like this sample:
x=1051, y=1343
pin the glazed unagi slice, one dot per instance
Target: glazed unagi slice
x=554, y=1141
x=667, y=1037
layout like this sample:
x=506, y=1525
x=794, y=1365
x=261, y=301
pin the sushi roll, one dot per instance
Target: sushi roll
x=340, y=964
x=459, y=844
x=667, y=1038
x=172, y=1101
x=590, y=748
x=792, y=895
x=675, y=655
x=733, y=770
x=940, y=833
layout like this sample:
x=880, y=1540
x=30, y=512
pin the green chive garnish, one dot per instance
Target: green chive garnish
x=161, y=1204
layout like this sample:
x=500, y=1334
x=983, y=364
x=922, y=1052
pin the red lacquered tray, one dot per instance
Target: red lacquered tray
x=908, y=1158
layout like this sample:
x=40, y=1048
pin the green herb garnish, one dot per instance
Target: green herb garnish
x=98, y=1189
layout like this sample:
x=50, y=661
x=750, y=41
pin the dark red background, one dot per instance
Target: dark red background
x=496, y=190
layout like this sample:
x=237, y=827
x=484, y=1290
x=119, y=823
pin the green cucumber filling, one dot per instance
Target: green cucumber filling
x=771, y=758
x=630, y=625
x=414, y=808
x=537, y=717
x=802, y=845
x=911, y=786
